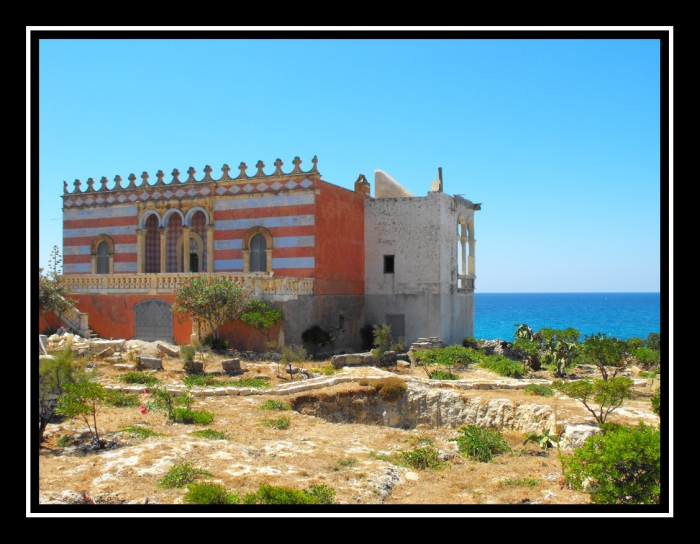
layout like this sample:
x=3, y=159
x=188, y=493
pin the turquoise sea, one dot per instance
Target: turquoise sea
x=619, y=315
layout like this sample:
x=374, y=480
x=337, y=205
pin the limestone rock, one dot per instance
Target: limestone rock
x=387, y=187
x=168, y=350
x=574, y=436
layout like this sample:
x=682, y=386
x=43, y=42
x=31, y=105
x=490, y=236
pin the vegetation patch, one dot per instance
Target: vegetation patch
x=389, y=389
x=209, y=493
x=142, y=378
x=327, y=370
x=140, y=432
x=182, y=474
x=254, y=383
x=203, y=380
x=198, y=417
x=210, y=434
x=268, y=494
x=122, y=400
x=279, y=423
x=480, y=444
x=539, y=390
x=443, y=375
x=522, y=482
x=273, y=404
x=656, y=402
x=503, y=366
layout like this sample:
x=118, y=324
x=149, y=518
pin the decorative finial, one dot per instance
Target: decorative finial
x=242, y=167
x=90, y=183
x=77, y=186
x=144, y=177
x=260, y=167
x=225, y=169
x=278, y=170
x=191, y=171
x=159, y=175
x=176, y=178
x=296, y=162
x=207, y=173
x=117, y=182
x=314, y=169
x=132, y=181
x=65, y=187
x=103, y=187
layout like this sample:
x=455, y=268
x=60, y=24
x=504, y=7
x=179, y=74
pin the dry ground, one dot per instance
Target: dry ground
x=309, y=451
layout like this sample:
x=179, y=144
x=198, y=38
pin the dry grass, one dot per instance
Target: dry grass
x=308, y=452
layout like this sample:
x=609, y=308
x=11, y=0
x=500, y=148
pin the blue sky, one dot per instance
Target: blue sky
x=559, y=139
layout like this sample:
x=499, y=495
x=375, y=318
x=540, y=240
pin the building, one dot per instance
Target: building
x=327, y=255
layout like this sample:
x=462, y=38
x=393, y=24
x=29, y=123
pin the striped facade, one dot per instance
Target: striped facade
x=81, y=227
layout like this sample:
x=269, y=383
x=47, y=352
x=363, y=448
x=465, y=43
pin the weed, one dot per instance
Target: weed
x=503, y=366
x=350, y=461
x=380, y=456
x=142, y=378
x=421, y=458
x=643, y=374
x=544, y=440
x=187, y=415
x=525, y=482
x=121, y=400
x=182, y=474
x=209, y=434
x=539, y=390
x=202, y=380
x=327, y=370
x=480, y=444
x=268, y=494
x=279, y=423
x=187, y=353
x=255, y=383
x=65, y=440
x=275, y=405
x=443, y=375
x=141, y=432
x=208, y=493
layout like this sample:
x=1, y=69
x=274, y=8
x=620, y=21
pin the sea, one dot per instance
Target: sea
x=619, y=315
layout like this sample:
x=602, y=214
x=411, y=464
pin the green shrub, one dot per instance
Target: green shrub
x=656, y=402
x=187, y=415
x=443, y=375
x=382, y=338
x=470, y=342
x=316, y=337
x=84, y=399
x=203, y=380
x=187, y=353
x=647, y=375
x=480, y=444
x=275, y=405
x=142, y=378
x=539, y=390
x=209, y=493
x=620, y=466
x=268, y=494
x=215, y=343
x=526, y=482
x=140, y=432
x=182, y=474
x=544, y=440
x=400, y=344
x=421, y=458
x=122, y=400
x=327, y=370
x=279, y=423
x=503, y=366
x=65, y=440
x=209, y=434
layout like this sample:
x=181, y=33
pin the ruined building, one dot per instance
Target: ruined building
x=324, y=254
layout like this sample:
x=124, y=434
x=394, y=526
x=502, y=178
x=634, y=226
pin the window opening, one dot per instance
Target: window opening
x=258, y=254
x=388, y=264
x=103, y=258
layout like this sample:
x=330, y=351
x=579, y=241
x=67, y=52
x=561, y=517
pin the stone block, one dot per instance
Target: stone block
x=403, y=364
x=655, y=383
x=232, y=390
x=208, y=392
x=245, y=391
x=219, y=391
x=231, y=365
x=168, y=350
x=151, y=362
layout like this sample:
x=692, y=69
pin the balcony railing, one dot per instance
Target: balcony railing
x=259, y=284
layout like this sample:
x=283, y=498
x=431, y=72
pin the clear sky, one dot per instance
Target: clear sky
x=559, y=139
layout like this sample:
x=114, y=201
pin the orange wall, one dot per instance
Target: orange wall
x=340, y=241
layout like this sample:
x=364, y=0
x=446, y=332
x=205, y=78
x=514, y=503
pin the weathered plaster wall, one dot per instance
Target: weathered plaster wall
x=421, y=233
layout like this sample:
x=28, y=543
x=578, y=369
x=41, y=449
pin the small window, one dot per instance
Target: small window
x=102, y=258
x=388, y=264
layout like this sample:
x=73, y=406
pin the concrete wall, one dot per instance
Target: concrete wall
x=421, y=233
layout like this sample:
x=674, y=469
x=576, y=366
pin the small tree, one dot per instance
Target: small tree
x=53, y=290
x=316, y=337
x=620, y=466
x=605, y=352
x=292, y=355
x=210, y=299
x=529, y=344
x=53, y=375
x=84, y=399
x=382, y=339
x=607, y=394
x=262, y=317
x=559, y=348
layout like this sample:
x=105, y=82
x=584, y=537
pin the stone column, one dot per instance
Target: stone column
x=93, y=264
x=210, y=249
x=111, y=264
x=268, y=254
x=163, y=232
x=186, y=249
x=140, y=252
x=246, y=260
x=472, y=266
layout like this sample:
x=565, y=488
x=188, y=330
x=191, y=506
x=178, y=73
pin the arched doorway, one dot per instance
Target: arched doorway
x=153, y=320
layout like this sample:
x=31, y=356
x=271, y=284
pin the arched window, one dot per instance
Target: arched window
x=102, y=258
x=152, y=246
x=257, y=250
x=194, y=254
x=258, y=255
